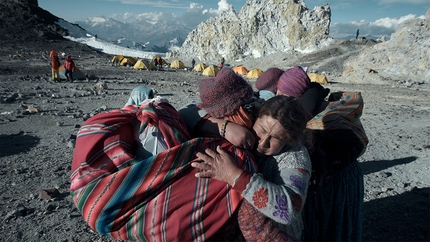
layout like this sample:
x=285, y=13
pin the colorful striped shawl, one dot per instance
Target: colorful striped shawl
x=155, y=199
x=342, y=112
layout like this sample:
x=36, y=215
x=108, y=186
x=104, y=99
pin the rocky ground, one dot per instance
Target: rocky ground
x=39, y=120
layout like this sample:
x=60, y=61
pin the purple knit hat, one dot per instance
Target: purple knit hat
x=268, y=80
x=294, y=82
x=225, y=93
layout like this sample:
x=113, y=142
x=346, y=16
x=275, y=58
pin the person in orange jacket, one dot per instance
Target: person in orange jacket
x=69, y=65
x=55, y=65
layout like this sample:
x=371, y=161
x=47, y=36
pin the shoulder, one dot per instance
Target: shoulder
x=294, y=157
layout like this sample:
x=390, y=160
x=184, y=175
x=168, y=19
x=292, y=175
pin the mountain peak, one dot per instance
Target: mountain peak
x=259, y=29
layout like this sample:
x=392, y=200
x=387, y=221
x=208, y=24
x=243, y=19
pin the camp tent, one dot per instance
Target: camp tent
x=77, y=74
x=117, y=59
x=200, y=67
x=254, y=73
x=128, y=61
x=241, y=70
x=210, y=71
x=177, y=64
x=157, y=58
x=318, y=78
x=142, y=64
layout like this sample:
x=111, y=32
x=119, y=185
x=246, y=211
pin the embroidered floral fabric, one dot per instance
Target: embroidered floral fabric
x=279, y=191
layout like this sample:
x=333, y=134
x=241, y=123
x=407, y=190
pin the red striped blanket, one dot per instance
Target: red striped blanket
x=155, y=199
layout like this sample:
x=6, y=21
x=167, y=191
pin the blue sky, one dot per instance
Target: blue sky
x=347, y=14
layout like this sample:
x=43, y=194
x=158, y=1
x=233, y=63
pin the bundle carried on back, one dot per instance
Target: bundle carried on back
x=339, y=134
x=152, y=199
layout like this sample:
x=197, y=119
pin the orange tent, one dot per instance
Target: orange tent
x=241, y=70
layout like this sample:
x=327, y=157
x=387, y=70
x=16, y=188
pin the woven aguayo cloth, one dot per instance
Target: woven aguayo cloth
x=152, y=199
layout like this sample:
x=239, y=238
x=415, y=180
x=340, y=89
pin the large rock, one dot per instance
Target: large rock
x=259, y=29
x=405, y=57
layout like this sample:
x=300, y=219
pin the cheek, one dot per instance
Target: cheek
x=275, y=148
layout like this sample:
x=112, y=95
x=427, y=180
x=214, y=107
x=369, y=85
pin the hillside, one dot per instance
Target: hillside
x=22, y=21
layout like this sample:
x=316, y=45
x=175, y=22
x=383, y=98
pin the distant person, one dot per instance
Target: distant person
x=358, y=32
x=193, y=62
x=55, y=65
x=160, y=63
x=69, y=66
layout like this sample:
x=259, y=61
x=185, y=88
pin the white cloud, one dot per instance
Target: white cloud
x=154, y=3
x=392, y=23
x=194, y=15
x=223, y=6
x=381, y=27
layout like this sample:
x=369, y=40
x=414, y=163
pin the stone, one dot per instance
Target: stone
x=258, y=29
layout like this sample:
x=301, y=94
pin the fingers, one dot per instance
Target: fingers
x=201, y=165
x=203, y=174
x=220, y=150
x=203, y=156
x=205, y=170
x=251, y=143
x=210, y=152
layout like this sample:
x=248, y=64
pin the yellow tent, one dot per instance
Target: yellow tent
x=157, y=58
x=318, y=78
x=210, y=71
x=241, y=70
x=200, y=67
x=117, y=59
x=177, y=64
x=254, y=73
x=127, y=61
x=144, y=65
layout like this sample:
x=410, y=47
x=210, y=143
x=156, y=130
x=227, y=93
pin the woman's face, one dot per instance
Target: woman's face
x=271, y=136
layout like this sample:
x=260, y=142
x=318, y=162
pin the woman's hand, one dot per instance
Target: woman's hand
x=218, y=165
x=239, y=136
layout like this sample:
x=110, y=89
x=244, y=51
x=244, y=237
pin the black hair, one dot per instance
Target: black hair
x=290, y=114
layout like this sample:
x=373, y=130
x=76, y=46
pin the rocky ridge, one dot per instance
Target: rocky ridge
x=259, y=29
x=22, y=20
x=405, y=57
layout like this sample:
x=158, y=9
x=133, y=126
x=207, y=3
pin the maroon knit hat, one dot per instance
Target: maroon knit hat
x=294, y=82
x=268, y=80
x=223, y=94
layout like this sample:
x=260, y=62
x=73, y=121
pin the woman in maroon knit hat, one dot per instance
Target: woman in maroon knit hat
x=223, y=94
